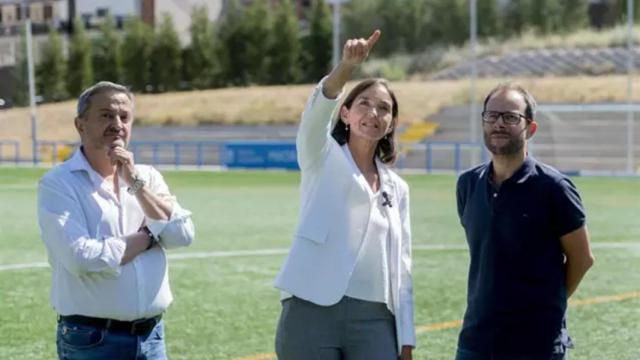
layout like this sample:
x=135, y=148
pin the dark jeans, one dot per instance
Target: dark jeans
x=463, y=354
x=80, y=342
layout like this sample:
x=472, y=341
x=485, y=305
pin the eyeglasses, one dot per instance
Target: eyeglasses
x=508, y=117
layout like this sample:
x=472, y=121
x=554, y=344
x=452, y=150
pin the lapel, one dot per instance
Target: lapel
x=388, y=186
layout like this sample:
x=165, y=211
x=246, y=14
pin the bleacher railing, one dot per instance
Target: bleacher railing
x=10, y=147
x=431, y=156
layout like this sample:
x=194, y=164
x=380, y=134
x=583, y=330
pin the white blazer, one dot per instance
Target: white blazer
x=333, y=218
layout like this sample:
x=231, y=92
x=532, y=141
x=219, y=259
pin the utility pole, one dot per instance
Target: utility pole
x=336, y=30
x=630, y=120
x=473, y=117
x=32, y=87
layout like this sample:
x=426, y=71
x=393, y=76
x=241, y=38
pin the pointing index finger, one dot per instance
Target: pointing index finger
x=373, y=39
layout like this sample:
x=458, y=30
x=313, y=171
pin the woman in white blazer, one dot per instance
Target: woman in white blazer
x=346, y=283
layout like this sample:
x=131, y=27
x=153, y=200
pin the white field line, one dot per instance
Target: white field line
x=283, y=251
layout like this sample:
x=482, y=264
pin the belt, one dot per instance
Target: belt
x=135, y=327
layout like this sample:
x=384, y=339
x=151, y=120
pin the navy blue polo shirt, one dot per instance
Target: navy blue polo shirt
x=516, y=290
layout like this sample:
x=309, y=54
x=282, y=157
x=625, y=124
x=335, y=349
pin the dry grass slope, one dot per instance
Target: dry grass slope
x=283, y=104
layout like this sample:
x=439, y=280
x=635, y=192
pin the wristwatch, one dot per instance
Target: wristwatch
x=152, y=239
x=138, y=183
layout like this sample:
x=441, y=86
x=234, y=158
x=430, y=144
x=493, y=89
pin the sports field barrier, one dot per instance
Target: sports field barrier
x=427, y=156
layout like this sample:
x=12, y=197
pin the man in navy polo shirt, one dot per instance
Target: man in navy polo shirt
x=528, y=241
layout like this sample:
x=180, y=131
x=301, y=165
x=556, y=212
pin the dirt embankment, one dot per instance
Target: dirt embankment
x=283, y=104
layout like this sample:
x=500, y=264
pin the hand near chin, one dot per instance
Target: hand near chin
x=123, y=159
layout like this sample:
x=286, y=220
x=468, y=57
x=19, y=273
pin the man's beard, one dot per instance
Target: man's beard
x=512, y=147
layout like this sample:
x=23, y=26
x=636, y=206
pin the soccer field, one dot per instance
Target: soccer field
x=226, y=308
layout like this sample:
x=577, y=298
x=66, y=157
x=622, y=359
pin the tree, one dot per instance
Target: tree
x=245, y=37
x=360, y=18
x=51, y=69
x=231, y=51
x=545, y=16
x=201, y=65
x=106, y=53
x=136, y=54
x=488, y=18
x=285, y=48
x=415, y=25
x=516, y=17
x=166, y=57
x=317, y=45
x=392, y=17
x=573, y=14
x=452, y=25
x=256, y=32
x=80, y=74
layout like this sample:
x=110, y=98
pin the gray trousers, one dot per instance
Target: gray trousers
x=352, y=329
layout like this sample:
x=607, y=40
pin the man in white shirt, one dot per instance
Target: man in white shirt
x=106, y=223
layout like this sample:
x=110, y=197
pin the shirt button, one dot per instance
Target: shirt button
x=495, y=195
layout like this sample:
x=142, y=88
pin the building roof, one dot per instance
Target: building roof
x=19, y=2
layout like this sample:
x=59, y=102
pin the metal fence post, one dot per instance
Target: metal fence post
x=176, y=154
x=428, y=155
x=457, y=157
x=199, y=154
x=155, y=153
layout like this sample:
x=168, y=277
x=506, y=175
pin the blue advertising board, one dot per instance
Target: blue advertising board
x=260, y=155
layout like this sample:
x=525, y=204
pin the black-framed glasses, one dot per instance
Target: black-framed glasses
x=508, y=117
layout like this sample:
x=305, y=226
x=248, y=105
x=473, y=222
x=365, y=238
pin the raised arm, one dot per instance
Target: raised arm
x=354, y=53
x=315, y=127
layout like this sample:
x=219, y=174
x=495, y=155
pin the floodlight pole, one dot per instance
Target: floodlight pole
x=630, y=121
x=32, y=92
x=473, y=34
x=336, y=32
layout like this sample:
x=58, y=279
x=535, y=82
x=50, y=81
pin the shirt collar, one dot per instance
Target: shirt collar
x=525, y=170
x=78, y=162
x=386, y=182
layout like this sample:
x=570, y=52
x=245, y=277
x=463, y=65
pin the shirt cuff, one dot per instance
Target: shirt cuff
x=157, y=226
x=112, y=253
x=320, y=88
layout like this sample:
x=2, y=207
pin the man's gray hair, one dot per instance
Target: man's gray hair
x=84, y=100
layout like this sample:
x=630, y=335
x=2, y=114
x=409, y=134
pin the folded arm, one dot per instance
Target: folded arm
x=65, y=233
x=174, y=227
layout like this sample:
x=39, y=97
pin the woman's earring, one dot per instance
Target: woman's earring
x=346, y=127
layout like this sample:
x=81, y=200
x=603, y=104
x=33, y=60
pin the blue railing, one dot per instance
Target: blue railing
x=177, y=153
x=457, y=147
x=13, y=145
x=430, y=156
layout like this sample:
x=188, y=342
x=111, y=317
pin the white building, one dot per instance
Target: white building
x=180, y=12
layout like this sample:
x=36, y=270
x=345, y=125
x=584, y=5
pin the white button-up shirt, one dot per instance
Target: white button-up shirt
x=83, y=224
x=370, y=279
